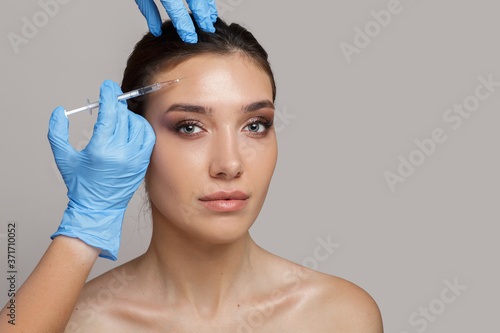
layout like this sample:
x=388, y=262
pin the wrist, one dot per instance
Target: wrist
x=78, y=247
x=100, y=229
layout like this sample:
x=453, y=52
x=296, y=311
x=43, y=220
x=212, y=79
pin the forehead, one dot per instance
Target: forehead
x=215, y=81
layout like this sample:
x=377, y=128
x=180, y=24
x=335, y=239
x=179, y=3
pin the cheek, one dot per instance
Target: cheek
x=259, y=158
x=175, y=168
x=180, y=167
x=257, y=151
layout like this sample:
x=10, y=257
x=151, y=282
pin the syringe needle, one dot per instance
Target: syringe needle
x=127, y=95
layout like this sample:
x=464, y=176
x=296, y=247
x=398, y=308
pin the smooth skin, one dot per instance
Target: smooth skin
x=45, y=301
x=202, y=271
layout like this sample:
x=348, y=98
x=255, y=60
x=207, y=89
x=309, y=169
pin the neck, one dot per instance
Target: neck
x=192, y=271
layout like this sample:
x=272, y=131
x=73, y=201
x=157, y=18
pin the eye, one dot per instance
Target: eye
x=254, y=127
x=259, y=125
x=188, y=127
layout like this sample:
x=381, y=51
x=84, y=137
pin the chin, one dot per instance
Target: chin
x=200, y=225
x=220, y=230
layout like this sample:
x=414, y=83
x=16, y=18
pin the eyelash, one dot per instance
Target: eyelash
x=257, y=120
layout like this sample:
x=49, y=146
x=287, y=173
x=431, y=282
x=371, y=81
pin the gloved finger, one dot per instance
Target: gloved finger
x=150, y=11
x=202, y=14
x=140, y=130
x=105, y=126
x=135, y=130
x=58, y=134
x=213, y=10
x=148, y=143
x=149, y=138
x=122, y=126
x=181, y=20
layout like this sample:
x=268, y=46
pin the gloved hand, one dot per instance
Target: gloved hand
x=101, y=178
x=204, y=12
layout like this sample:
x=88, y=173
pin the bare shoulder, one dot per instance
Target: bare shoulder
x=344, y=306
x=326, y=303
x=99, y=301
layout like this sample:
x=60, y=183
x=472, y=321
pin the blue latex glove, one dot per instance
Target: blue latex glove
x=101, y=178
x=204, y=12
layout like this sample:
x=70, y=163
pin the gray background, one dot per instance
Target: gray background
x=341, y=127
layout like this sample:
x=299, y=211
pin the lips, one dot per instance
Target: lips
x=225, y=195
x=224, y=201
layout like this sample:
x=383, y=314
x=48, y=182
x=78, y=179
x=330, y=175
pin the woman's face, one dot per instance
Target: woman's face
x=213, y=133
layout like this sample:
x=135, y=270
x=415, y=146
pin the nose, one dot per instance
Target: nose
x=226, y=160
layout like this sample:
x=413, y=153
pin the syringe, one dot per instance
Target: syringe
x=127, y=95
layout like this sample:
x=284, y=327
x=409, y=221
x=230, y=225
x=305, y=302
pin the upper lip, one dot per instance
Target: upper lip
x=225, y=195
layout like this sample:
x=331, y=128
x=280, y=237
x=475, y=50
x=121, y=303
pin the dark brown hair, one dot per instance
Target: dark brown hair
x=152, y=54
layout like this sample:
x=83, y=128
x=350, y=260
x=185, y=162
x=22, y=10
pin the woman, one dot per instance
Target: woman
x=207, y=180
x=202, y=271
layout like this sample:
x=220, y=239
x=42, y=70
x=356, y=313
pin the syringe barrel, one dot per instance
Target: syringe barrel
x=139, y=92
x=130, y=94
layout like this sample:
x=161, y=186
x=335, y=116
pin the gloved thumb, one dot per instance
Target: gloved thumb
x=150, y=11
x=58, y=131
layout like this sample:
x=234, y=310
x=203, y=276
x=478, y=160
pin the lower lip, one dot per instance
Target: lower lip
x=225, y=205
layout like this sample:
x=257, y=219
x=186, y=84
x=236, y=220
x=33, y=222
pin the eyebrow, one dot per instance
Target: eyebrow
x=208, y=111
